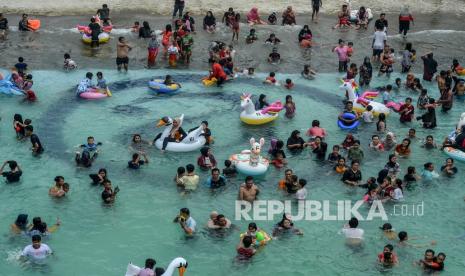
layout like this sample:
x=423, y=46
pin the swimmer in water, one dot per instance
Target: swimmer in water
x=37, y=251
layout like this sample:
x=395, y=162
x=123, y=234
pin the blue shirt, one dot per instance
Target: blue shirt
x=190, y=223
x=102, y=83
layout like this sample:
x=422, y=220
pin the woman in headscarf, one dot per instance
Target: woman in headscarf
x=362, y=18
x=261, y=103
x=288, y=17
x=366, y=72
x=404, y=21
x=209, y=22
x=152, y=51
x=253, y=18
x=305, y=37
x=20, y=225
x=177, y=134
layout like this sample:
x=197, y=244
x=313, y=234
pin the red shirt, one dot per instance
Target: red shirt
x=218, y=71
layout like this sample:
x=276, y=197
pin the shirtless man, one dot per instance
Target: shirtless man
x=122, y=51
x=248, y=190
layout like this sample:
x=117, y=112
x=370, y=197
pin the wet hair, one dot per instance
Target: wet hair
x=185, y=211
x=135, y=156
x=181, y=170
x=150, y=263
x=103, y=170
x=168, y=28
x=302, y=182
x=215, y=170
x=369, y=108
x=315, y=123
x=272, y=74
x=36, y=222
x=204, y=151
x=66, y=56
x=252, y=30
x=227, y=163
x=247, y=241
x=388, y=87
x=20, y=59
x=427, y=165
x=295, y=133
x=58, y=178
x=402, y=235
x=350, y=43
x=190, y=168
x=382, y=175
x=89, y=75
x=288, y=97
x=92, y=20
x=36, y=238
x=411, y=170
x=442, y=254
x=42, y=228
x=279, y=144
x=21, y=221
x=12, y=164
x=252, y=225
x=374, y=136
x=121, y=38
x=248, y=178
x=262, y=97
x=429, y=251
x=389, y=246
x=18, y=117
x=99, y=74
x=336, y=147
x=353, y=222
x=134, y=137
x=288, y=81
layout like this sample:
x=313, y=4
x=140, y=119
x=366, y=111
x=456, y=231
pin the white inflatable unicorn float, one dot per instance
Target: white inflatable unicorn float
x=179, y=263
x=250, y=162
x=193, y=141
x=251, y=116
x=361, y=102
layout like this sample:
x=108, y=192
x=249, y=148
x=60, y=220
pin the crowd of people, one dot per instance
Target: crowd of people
x=346, y=159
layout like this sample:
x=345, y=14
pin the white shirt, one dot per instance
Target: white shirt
x=301, y=194
x=367, y=116
x=379, y=38
x=398, y=194
x=353, y=233
x=37, y=254
x=190, y=223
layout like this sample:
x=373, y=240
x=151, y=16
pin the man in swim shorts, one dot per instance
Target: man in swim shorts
x=122, y=51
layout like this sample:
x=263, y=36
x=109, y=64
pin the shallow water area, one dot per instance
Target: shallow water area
x=100, y=240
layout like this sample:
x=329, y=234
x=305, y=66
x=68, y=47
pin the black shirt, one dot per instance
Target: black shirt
x=134, y=165
x=351, y=176
x=179, y=2
x=104, y=13
x=145, y=32
x=218, y=183
x=333, y=157
x=228, y=172
x=381, y=23
x=12, y=176
x=3, y=24
x=23, y=25
x=409, y=178
x=294, y=141
x=321, y=151
x=35, y=140
x=275, y=56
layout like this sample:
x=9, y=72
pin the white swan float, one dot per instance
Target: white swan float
x=178, y=263
x=193, y=141
x=250, y=162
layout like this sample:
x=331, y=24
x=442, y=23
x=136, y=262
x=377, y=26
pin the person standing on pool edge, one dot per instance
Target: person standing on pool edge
x=178, y=6
x=122, y=51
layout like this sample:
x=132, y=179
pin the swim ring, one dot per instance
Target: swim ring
x=242, y=163
x=102, y=38
x=455, y=154
x=348, y=116
x=33, y=24
x=9, y=88
x=86, y=29
x=360, y=103
x=159, y=87
x=93, y=94
x=251, y=116
x=193, y=141
x=209, y=82
x=261, y=237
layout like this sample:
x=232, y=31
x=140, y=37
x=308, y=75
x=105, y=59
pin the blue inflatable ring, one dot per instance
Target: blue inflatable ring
x=159, y=87
x=348, y=116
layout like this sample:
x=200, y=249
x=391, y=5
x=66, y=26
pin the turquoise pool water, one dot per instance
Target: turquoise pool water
x=99, y=240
